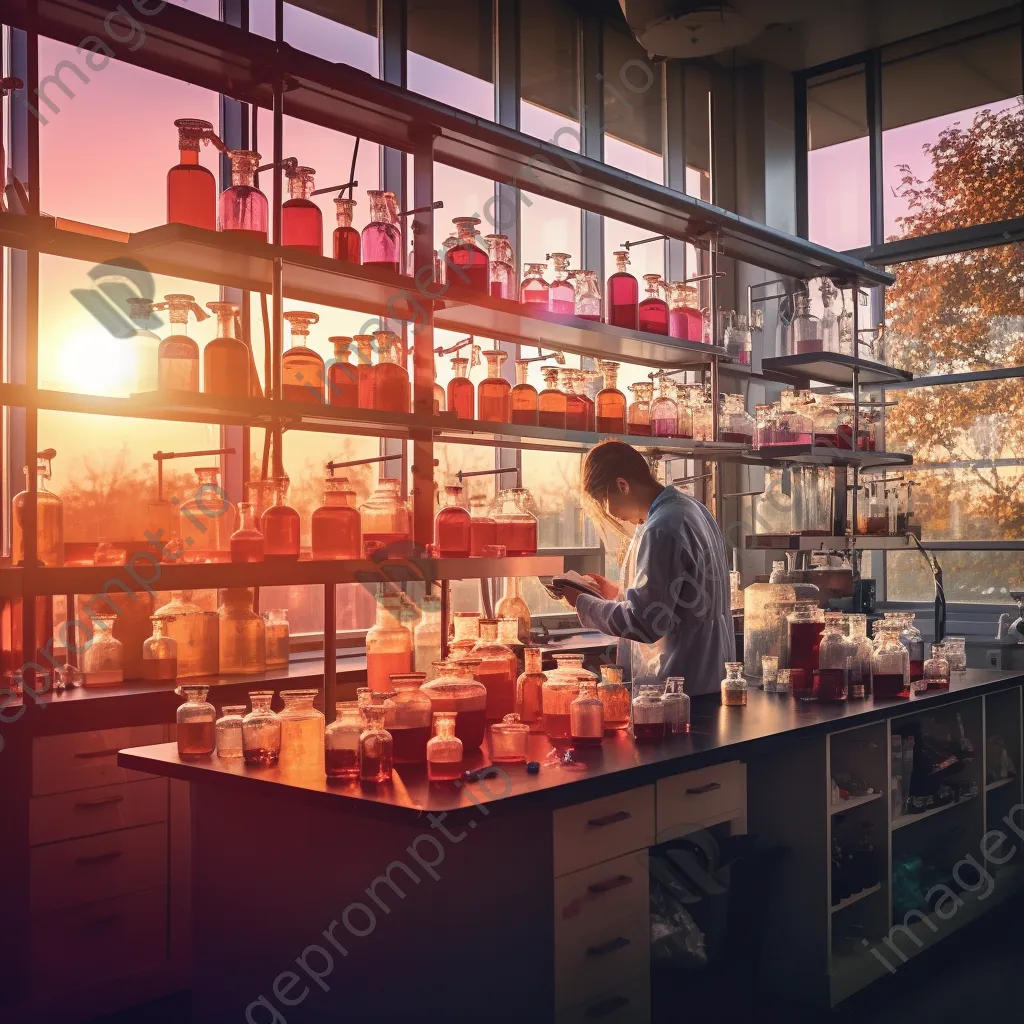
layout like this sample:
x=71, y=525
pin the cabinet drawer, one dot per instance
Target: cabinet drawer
x=616, y=950
x=586, y=900
x=98, y=867
x=601, y=829
x=628, y=1002
x=109, y=938
x=701, y=798
x=80, y=760
x=85, y=812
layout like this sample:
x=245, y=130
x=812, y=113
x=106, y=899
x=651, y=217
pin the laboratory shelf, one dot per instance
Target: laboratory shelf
x=808, y=455
x=908, y=819
x=797, y=542
x=999, y=783
x=853, y=801
x=855, y=898
x=831, y=368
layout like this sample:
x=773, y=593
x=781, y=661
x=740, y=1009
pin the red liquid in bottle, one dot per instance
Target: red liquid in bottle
x=830, y=684
x=558, y=727
x=195, y=739
x=647, y=732
x=611, y=425
x=335, y=532
x=382, y=541
x=916, y=670
x=735, y=437
x=260, y=757
x=390, y=388
x=844, y=439
x=346, y=245
x=889, y=684
x=526, y=417
x=452, y=533
x=343, y=385
x=461, y=397
x=804, y=641
x=551, y=419
x=495, y=400
x=410, y=744
x=640, y=429
x=501, y=693
x=482, y=532
x=575, y=413
x=469, y=727
x=623, y=301
x=805, y=346
x=303, y=393
x=280, y=528
x=518, y=538
x=654, y=316
x=686, y=323
x=382, y=665
x=247, y=547
x=444, y=771
x=364, y=385
x=192, y=196
x=302, y=226
x=586, y=741
x=467, y=266
x=341, y=764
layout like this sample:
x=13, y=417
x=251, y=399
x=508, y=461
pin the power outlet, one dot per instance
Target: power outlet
x=992, y=659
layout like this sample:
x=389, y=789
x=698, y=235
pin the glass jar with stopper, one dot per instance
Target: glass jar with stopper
x=342, y=376
x=610, y=416
x=494, y=394
x=806, y=327
x=302, y=369
x=502, y=267
x=640, y=408
x=191, y=188
x=734, y=685
x=586, y=716
x=534, y=291
x=552, y=402
x=561, y=294
x=648, y=714
x=623, y=295
x=390, y=377
x=736, y=424
x=444, y=749
x=497, y=670
x=677, y=706
x=302, y=730
x=461, y=393
x=588, y=295
x=466, y=263
x=454, y=690
x=335, y=526
x=246, y=543
x=738, y=339
x=226, y=358
x=277, y=636
x=936, y=669
x=178, y=354
x=195, y=720
x=302, y=223
x=653, y=311
x=261, y=731
x=227, y=731
x=103, y=658
x=829, y=321
x=615, y=698
x=280, y=526
x=242, y=208
x=452, y=525
x=523, y=398
x=665, y=410
x=382, y=237
x=143, y=347
x=49, y=517
x=516, y=525
x=346, y=238
x=685, y=319
x=575, y=407
x=159, y=653
x=341, y=742
x=529, y=690
x=242, y=635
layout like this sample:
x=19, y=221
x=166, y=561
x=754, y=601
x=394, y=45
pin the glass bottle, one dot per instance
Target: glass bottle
x=346, y=238
x=364, y=370
x=302, y=730
x=516, y=527
x=685, y=319
x=159, y=653
x=611, y=402
x=700, y=404
x=185, y=623
x=653, y=311
x=804, y=627
x=738, y=339
x=615, y=698
x=793, y=425
x=226, y=359
x=341, y=742
x=242, y=208
x=195, y=720
x=665, y=410
x=376, y=747
x=677, y=706
x=560, y=688
x=508, y=634
x=911, y=638
x=390, y=377
x=502, y=267
x=302, y=368
x=382, y=237
x=143, y=346
x=452, y=525
x=509, y=740
x=586, y=716
x=207, y=520
x=261, y=731
x=534, y=291
x=335, y=525
x=551, y=402
x=444, y=749
x=49, y=517
x=575, y=407
x=937, y=669
x=588, y=295
x=275, y=627
x=497, y=671
x=227, y=731
x=648, y=714
x=623, y=295
x=561, y=294
x=408, y=718
x=246, y=544
x=829, y=322
x=453, y=689
x=191, y=188
x=466, y=263
x=734, y=686
x=512, y=606
x=388, y=645
x=280, y=527
x=483, y=531
x=773, y=509
x=956, y=653
x=242, y=634
x=103, y=658
x=529, y=690
x=523, y=398
x=806, y=327
x=684, y=409
x=494, y=395
x=426, y=637
x=640, y=408
x=461, y=393
x=466, y=626
x=832, y=679
x=178, y=354
x=736, y=425
x=385, y=517
x=302, y=223
x=860, y=655
x=890, y=663
x=826, y=424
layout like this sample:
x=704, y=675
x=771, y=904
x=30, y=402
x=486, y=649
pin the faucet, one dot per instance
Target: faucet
x=1005, y=627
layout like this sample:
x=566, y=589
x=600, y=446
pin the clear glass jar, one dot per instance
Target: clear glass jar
x=534, y=290
x=426, y=637
x=936, y=669
x=648, y=714
x=806, y=327
x=502, y=267
x=207, y=520
x=734, y=686
x=911, y=638
x=615, y=698
x=639, y=415
x=302, y=730
x=453, y=689
x=736, y=424
x=956, y=653
x=560, y=688
x=516, y=527
x=388, y=645
x=452, y=525
x=805, y=624
x=832, y=678
x=586, y=716
x=228, y=731
x=860, y=655
x=529, y=690
x=677, y=706
x=588, y=295
x=178, y=354
x=738, y=339
x=793, y=424
x=890, y=662
x=811, y=488
x=261, y=731
x=409, y=718
x=195, y=719
x=826, y=424
x=275, y=625
x=242, y=634
x=513, y=606
x=444, y=749
x=103, y=659
x=561, y=294
x=159, y=654
x=497, y=671
x=773, y=508
x=466, y=626
x=765, y=629
x=386, y=518
x=341, y=742
x=509, y=739
x=242, y=208
x=186, y=624
x=49, y=518
x=665, y=410
x=376, y=747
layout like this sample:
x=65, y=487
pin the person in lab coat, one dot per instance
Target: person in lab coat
x=673, y=609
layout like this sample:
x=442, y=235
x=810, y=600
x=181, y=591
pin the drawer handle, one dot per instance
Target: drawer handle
x=98, y=858
x=610, y=883
x=708, y=787
x=606, y=1006
x=604, y=948
x=104, y=802
x=88, y=755
x=610, y=819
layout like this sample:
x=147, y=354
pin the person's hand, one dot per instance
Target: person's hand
x=569, y=595
x=607, y=589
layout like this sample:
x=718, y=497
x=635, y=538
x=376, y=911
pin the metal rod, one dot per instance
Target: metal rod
x=161, y=456
x=438, y=205
x=330, y=652
x=334, y=188
x=699, y=476
x=445, y=616
x=362, y=462
x=486, y=472
x=457, y=347
x=705, y=277
x=643, y=241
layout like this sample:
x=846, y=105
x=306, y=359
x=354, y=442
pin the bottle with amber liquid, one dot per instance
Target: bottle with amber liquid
x=461, y=397
x=466, y=627
x=342, y=376
x=524, y=398
x=346, y=238
x=364, y=369
x=622, y=299
x=497, y=671
x=575, y=407
x=302, y=369
x=494, y=395
x=49, y=518
x=178, y=354
x=444, y=749
x=195, y=719
x=513, y=606
x=159, y=653
x=280, y=527
x=390, y=377
x=640, y=409
x=483, y=531
x=226, y=358
x=242, y=208
x=615, y=698
x=653, y=311
x=586, y=716
x=246, y=542
x=242, y=634
x=388, y=645
x=611, y=402
x=466, y=264
x=529, y=690
x=302, y=223
x=452, y=526
x=552, y=403
x=561, y=293
x=335, y=525
x=191, y=188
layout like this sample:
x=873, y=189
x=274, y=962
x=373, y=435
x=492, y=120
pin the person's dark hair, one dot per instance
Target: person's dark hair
x=603, y=465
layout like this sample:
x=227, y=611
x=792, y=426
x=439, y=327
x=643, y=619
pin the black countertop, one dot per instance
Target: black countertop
x=717, y=734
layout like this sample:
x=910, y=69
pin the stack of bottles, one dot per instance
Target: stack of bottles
x=801, y=418
x=802, y=332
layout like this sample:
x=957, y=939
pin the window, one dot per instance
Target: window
x=633, y=107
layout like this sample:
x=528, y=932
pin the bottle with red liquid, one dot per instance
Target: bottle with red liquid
x=639, y=417
x=648, y=710
x=280, y=527
x=911, y=638
x=382, y=237
x=806, y=327
x=302, y=223
x=246, y=542
x=736, y=425
x=665, y=410
x=390, y=377
x=178, y=354
x=551, y=402
x=452, y=525
x=494, y=394
x=364, y=369
x=586, y=716
x=832, y=680
x=890, y=662
x=583, y=379
x=805, y=624
x=483, y=531
x=408, y=718
x=302, y=369
x=346, y=238
x=534, y=291
x=793, y=424
x=191, y=188
x=466, y=264
x=559, y=689
x=226, y=358
x=611, y=402
x=653, y=312
x=242, y=208
x=685, y=319
x=588, y=295
x=502, y=267
x=561, y=294
x=826, y=424
x=575, y=406
x=388, y=645
x=516, y=524
x=461, y=393
x=523, y=398
x=623, y=295
x=335, y=527
x=497, y=671
x=342, y=376
x=453, y=690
